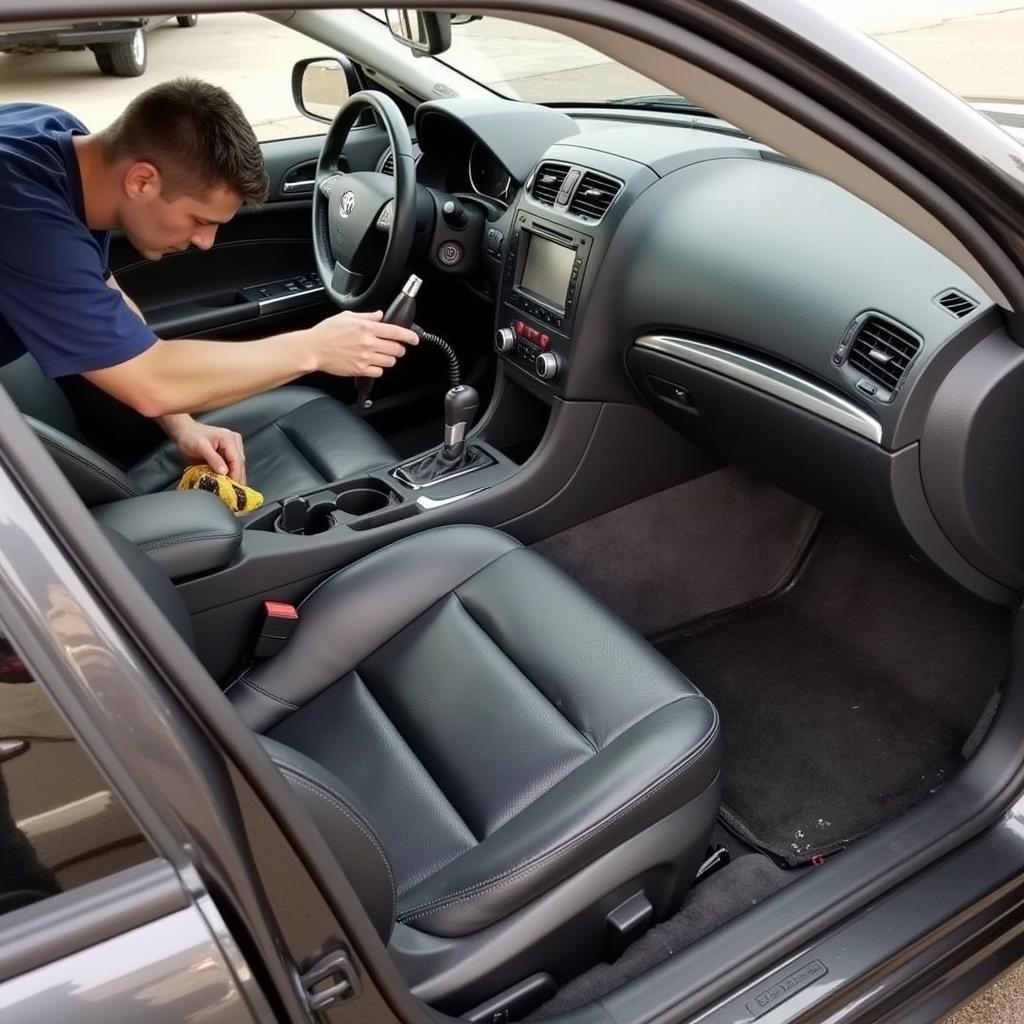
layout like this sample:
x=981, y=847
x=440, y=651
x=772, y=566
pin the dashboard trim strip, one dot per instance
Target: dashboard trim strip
x=769, y=379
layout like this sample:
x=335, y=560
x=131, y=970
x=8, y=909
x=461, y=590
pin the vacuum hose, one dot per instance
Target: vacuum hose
x=454, y=370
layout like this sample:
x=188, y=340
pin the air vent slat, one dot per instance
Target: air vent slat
x=388, y=167
x=594, y=194
x=548, y=181
x=956, y=303
x=883, y=350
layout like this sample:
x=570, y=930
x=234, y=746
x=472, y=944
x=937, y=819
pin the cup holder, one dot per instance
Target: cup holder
x=359, y=501
x=318, y=519
x=322, y=512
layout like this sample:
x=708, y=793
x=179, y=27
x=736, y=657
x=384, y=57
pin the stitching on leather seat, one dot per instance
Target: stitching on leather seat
x=318, y=788
x=508, y=657
x=246, y=681
x=514, y=874
x=441, y=597
x=165, y=542
x=91, y=467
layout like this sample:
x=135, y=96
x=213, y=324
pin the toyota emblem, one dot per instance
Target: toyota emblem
x=348, y=202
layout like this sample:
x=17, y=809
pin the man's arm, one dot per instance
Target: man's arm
x=218, y=447
x=190, y=375
x=178, y=422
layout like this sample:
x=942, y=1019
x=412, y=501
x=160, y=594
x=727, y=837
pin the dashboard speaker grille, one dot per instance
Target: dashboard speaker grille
x=594, y=194
x=548, y=181
x=956, y=303
x=883, y=350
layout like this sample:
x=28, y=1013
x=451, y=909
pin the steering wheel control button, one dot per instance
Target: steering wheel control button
x=546, y=366
x=505, y=339
x=386, y=215
x=450, y=254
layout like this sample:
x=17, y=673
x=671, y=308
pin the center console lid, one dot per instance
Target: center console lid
x=187, y=533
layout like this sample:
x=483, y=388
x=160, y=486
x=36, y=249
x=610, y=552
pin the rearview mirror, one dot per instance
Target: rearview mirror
x=424, y=32
x=319, y=87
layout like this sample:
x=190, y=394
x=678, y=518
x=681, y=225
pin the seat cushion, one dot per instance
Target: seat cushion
x=501, y=729
x=296, y=439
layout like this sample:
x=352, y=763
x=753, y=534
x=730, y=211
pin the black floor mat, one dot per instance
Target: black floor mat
x=847, y=699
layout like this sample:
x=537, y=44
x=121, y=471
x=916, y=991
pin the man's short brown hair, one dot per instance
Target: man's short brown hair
x=196, y=136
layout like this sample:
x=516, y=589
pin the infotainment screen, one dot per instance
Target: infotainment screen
x=546, y=270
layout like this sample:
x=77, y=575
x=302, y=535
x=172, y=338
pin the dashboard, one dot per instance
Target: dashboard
x=767, y=314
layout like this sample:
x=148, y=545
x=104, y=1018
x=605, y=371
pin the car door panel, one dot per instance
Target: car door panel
x=261, y=270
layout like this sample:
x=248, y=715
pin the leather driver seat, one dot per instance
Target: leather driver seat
x=296, y=439
x=496, y=761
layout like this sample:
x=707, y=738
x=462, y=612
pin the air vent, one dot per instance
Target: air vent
x=547, y=182
x=388, y=167
x=593, y=196
x=956, y=303
x=882, y=350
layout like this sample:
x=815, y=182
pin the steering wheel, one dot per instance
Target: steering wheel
x=350, y=209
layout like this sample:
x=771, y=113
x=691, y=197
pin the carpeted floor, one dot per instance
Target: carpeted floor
x=848, y=698
x=718, y=541
x=727, y=893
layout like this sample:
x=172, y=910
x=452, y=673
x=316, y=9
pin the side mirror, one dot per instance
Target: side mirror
x=320, y=85
x=424, y=32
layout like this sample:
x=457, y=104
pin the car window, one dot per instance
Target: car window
x=249, y=55
x=60, y=824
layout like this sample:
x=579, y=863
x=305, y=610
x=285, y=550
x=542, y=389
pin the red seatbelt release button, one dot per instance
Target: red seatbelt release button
x=279, y=621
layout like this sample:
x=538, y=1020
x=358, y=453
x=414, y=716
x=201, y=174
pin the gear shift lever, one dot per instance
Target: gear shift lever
x=460, y=406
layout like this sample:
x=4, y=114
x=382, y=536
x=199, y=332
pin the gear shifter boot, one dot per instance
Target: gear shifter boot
x=444, y=462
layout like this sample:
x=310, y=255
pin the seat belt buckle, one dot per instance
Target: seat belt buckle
x=279, y=622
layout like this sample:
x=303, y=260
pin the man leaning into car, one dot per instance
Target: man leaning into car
x=177, y=164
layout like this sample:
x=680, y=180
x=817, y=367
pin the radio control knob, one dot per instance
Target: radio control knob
x=546, y=365
x=504, y=339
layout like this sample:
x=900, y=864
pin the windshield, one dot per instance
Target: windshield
x=524, y=62
x=969, y=46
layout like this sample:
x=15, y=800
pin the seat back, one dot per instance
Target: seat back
x=50, y=415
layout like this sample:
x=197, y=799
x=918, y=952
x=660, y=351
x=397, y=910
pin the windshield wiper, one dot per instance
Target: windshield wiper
x=674, y=104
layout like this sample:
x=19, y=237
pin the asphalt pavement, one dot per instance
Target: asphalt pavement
x=973, y=47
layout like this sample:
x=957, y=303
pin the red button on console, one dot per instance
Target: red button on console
x=520, y=327
x=544, y=341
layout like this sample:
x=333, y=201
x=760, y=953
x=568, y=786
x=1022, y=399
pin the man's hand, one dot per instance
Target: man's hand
x=221, y=449
x=359, y=344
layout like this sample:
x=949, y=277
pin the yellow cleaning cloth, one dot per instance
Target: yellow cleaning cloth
x=237, y=497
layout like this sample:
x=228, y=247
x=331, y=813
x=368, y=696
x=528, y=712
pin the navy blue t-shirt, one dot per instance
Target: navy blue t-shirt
x=54, y=298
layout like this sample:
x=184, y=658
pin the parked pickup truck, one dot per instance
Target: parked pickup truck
x=119, y=45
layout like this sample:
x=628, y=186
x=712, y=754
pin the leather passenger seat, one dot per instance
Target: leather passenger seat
x=496, y=761
x=296, y=439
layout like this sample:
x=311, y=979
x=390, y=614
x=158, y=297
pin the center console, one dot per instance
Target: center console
x=541, y=282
